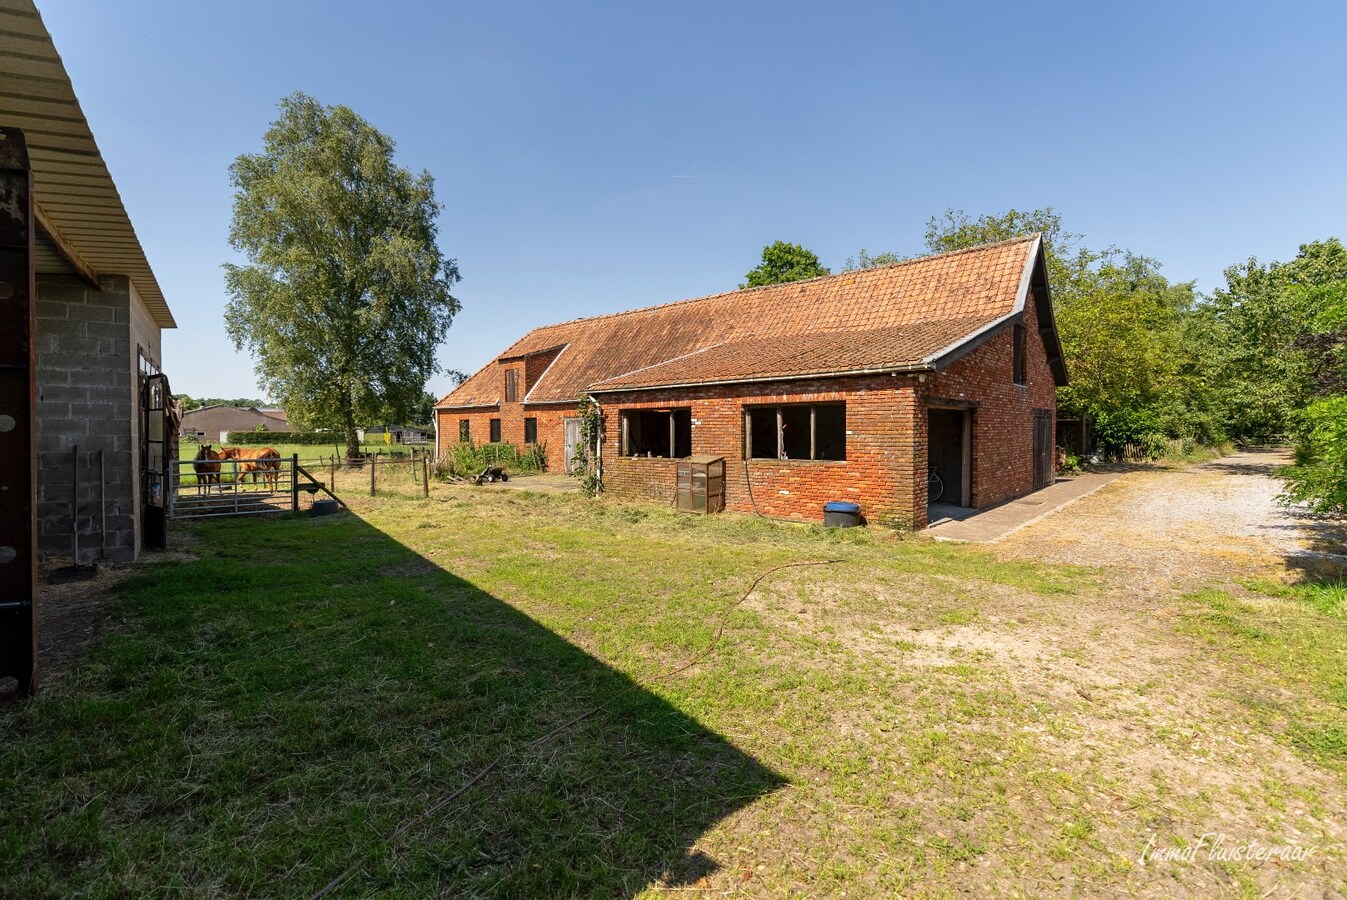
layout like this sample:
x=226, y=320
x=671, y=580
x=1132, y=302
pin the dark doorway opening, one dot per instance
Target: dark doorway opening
x=1043, y=435
x=949, y=457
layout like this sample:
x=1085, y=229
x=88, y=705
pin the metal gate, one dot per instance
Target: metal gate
x=209, y=488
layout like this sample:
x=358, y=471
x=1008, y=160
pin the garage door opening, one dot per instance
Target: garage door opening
x=949, y=457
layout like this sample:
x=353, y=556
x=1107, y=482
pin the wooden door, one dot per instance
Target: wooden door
x=1043, y=426
x=571, y=443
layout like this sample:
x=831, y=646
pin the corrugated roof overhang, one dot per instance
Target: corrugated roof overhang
x=79, y=207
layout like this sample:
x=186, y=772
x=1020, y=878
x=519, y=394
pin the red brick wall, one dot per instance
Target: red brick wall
x=535, y=366
x=877, y=472
x=511, y=415
x=1003, y=435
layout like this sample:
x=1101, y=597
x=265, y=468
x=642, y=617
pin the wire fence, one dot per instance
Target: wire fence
x=406, y=474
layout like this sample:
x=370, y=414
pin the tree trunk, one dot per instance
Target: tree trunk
x=348, y=431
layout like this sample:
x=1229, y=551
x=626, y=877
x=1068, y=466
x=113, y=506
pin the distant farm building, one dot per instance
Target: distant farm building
x=212, y=424
x=395, y=434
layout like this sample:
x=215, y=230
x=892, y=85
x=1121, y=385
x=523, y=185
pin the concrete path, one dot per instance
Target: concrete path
x=952, y=523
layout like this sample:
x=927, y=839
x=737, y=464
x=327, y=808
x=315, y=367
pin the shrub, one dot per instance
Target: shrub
x=1115, y=429
x=467, y=460
x=1319, y=477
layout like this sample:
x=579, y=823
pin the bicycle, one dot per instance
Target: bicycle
x=935, y=487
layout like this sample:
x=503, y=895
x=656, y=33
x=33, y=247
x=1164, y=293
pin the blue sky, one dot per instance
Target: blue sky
x=594, y=157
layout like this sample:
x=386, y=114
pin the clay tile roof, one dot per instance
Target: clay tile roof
x=887, y=318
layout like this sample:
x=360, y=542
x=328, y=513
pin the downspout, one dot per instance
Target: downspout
x=435, y=420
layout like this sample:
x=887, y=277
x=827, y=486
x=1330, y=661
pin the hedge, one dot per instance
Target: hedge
x=316, y=438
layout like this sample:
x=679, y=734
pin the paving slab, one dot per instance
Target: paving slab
x=952, y=523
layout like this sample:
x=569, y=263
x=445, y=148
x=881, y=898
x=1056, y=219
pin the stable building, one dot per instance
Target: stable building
x=212, y=424
x=881, y=387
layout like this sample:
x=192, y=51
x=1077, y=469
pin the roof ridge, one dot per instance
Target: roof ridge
x=763, y=287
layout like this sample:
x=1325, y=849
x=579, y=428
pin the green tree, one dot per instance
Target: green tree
x=346, y=294
x=1124, y=328
x=424, y=411
x=190, y=403
x=782, y=262
x=863, y=260
x=1273, y=319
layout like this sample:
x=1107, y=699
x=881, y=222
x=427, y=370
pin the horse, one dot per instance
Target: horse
x=263, y=461
x=207, y=473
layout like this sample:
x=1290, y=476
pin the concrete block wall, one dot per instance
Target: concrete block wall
x=86, y=397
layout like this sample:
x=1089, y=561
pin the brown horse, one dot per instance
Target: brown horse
x=263, y=461
x=207, y=473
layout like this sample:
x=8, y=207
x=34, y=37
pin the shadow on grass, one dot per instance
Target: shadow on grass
x=276, y=710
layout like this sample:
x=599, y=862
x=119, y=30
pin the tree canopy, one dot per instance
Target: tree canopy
x=781, y=263
x=1123, y=328
x=863, y=260
x=345, y=295
x=190, y=403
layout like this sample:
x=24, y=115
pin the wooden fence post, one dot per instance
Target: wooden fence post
x=425, y=477
x=373, y=458
x=294, y=482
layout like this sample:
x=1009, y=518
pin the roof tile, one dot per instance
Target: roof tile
x=888, y=317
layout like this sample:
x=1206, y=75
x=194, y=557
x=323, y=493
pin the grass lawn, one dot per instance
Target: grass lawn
x=272, y=711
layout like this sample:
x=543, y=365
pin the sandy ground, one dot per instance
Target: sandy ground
x=1160, y=715
x=1162, y=736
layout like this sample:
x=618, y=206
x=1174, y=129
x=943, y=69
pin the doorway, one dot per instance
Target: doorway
x=1043, y=445
x=570, y=443
x=949, y=461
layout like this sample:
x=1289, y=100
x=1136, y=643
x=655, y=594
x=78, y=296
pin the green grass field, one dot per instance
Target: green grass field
x=187, y=450
x=282, y=704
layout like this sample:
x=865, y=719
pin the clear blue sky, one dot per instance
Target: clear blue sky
x=598, y=157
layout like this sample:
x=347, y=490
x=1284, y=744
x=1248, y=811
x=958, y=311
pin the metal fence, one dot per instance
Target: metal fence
x=209, y=488
x=212, y=488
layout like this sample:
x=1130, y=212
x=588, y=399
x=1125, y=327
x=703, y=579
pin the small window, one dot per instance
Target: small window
x=657, y=432
x=1019, y=355
x=799, y=431
x=511, y=385
x=495, y=431
x=464, y=431
x=530, y=431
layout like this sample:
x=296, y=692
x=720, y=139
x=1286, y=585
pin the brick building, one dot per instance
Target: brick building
x=856, y=386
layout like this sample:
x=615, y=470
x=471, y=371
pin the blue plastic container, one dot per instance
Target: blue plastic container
x=842, y=514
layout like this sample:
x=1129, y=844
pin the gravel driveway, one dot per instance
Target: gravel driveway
x=1164, y=529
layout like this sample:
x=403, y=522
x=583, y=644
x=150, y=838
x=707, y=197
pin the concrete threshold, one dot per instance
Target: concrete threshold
x=989, y=525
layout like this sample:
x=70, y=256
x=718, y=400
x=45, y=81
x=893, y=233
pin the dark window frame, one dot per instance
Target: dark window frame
x=511, y=385
x=815, y=443
x=679, y=433
x=465, y=431
x=530, y=430
x=1020, y=361
x=494, y=433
